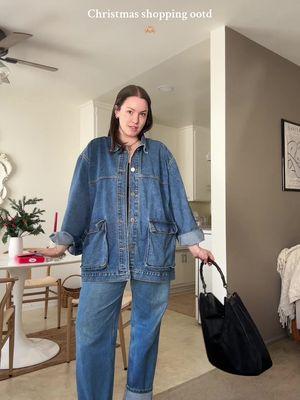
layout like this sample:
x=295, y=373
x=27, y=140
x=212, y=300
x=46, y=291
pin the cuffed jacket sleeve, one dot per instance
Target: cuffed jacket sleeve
x=188, y=231
x=77, y=215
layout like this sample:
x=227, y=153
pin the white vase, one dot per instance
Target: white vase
x=15, y=246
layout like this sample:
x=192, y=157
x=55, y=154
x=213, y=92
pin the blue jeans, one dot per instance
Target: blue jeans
x=96, y=333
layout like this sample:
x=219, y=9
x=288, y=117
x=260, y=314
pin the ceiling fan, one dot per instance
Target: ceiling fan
x=7, y=40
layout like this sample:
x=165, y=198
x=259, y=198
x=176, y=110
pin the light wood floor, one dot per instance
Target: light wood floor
x=181, y=358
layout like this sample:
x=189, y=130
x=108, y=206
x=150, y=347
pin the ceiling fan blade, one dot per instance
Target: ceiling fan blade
x=13, y=38
x=29, y=63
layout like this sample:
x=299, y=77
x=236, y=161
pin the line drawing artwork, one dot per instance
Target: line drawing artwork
x=290, y=139
x=293, y=159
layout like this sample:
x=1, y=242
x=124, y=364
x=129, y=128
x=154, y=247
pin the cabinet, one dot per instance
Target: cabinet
x=190, y=145
x=184, y=272
x=193, y=158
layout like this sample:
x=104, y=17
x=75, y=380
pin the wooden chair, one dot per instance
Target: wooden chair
x=295, y=331
x=7, y=320
x=45, y=283
x=126, y=305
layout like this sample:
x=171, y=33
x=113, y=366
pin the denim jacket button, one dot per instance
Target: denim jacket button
x=132, y=169
x=132, y=219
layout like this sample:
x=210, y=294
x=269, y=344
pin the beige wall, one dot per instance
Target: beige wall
x=41, y=138
x=261, y=219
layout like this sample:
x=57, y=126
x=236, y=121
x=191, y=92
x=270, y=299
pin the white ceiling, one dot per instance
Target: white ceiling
x=97, y=56
x=189, y=103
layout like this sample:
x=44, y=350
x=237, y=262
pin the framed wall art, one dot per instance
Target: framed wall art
x=290, y=135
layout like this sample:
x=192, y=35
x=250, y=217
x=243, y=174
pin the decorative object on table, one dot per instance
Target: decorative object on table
x=55, y=221
x=290, y=136
x=15, y=246
x=51, y=243
x=5, y=170
x=67, y=292
x=30, y=258
x=232, y=340
x=23, y=223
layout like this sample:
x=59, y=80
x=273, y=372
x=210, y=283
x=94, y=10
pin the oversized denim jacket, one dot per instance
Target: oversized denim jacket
x=117, y=244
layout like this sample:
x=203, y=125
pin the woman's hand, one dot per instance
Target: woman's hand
x=56, y=251
x=203, y=254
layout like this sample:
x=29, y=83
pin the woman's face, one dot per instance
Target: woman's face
x=132, y=117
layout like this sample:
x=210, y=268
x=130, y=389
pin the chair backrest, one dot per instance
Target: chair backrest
x=6, y=300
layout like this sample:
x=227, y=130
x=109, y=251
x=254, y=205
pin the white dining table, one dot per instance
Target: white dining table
x=28, y=351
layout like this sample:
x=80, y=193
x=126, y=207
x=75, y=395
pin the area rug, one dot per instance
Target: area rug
x=183, y=303
x=56, y=335
x=280, y=382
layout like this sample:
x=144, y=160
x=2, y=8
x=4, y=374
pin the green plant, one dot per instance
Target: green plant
x=23, y=221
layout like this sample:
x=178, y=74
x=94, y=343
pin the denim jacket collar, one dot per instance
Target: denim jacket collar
x=143, y=140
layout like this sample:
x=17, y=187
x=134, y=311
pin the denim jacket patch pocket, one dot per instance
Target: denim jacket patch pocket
x=95, y=245
x=161, y=245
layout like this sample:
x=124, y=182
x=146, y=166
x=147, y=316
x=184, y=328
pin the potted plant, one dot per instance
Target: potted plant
x=23, y=223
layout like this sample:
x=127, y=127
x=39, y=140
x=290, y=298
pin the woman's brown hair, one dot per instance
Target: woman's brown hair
x=128, y=91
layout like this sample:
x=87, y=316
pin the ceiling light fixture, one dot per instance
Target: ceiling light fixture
x=165, y=88
x=149, y=29
x=4, y=72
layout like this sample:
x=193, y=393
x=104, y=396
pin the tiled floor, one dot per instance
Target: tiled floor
x=181, y=358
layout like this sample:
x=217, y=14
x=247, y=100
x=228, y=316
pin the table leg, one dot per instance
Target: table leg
x=27, y=351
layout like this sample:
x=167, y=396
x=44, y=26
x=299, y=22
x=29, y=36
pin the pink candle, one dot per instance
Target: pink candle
x=55, y=221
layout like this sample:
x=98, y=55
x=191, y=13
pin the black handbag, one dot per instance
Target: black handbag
x=232, y=340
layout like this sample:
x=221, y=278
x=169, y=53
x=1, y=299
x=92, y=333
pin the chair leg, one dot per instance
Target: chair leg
x=295, y=331
x=11, y=345
x=69, y=327
x=46, y=302
x=58, y=303
x=122, y=340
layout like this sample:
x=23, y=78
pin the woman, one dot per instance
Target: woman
x=126, y=208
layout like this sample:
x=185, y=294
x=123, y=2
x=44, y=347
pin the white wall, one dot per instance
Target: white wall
x=41, y=138
x=94, y=121
x=218, y=155
x=167, y=135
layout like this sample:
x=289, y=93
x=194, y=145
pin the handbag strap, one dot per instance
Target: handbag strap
x=220, y=272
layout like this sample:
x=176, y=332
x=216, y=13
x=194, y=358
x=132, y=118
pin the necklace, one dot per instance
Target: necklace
x=129, y=147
